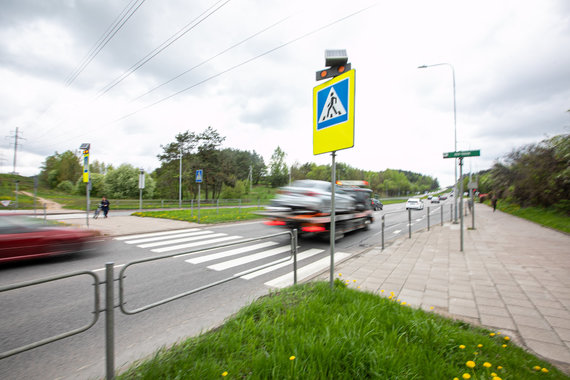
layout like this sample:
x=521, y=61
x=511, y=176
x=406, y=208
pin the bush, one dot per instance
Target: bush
x=65, y=186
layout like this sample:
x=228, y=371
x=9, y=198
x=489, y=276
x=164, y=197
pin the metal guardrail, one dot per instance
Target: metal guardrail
x=109, y=296
x=54, y=338
x=122, y=302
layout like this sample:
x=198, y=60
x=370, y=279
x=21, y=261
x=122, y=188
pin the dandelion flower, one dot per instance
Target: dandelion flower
x=475, y=353
x=504, y=345
x=470, y=364
x=456, y=378
x=466, y=376
x=340, y=274
x=292, y=358
x=487, y=365
x=382, y=291
x=431, y=307
x=353, y=280
x=358, y=287
x=398, y=300
x=225, y=373
x=544, y=370
x=536, y=368
x=462, y=347
x=390, y=297
x=499, y=367
x=493, y=374
x=479, y=345
x=492, y=334
x=499, y=333
x=403, y=303
x=497, y=378
x=392, y=294
x=507, y=338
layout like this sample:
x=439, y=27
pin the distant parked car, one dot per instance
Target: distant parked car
x=430, y=197
x=435, y=200
x=312, y=195
x=23, y=237
x=414, y=204
x=376, y=204
x=442, y=197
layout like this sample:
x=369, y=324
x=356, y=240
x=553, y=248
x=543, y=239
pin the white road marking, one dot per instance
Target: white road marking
x=232, y=252
x=155, y=234
x=181, y=240
x=195, y=244
x=158, y=238
x=102, y=269
x=249, y=258
x=301, y=256
x=306, y=271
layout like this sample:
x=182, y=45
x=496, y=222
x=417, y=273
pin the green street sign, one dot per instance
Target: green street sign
x=462, y=153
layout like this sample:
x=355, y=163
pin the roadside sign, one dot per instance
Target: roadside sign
x=141, y=179
x=333, y=114
x=462, y=153
x=199, y=176
x=86, y=165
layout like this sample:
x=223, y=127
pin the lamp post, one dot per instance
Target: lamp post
x=180, y=181
x=454, y=129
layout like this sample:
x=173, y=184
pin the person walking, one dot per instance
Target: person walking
x=494, y=202
x=105, y=206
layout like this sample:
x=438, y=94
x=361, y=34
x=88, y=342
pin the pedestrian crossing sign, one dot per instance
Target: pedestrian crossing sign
x=199, y=175
x=333, y=114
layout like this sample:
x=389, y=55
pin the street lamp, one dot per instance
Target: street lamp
x=180, y=180
x=454, y=128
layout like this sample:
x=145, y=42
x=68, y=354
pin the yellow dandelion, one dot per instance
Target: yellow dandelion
x=403, y=303
x=493, y=374
x=225, y=373
x=507, y=338
x=353, y=280
x=497, y=378
x=456, y=378
x=431, y=307
x=499, y=367
x=292, y=358
x=398, y=300
x=392, y=294
x=390, y=297
x=544, y=370
x=382, y=291
x=479, y=345
x=358, y=287
x=487, y=365
x=504, y=345
x=492, y=334
x=536, y=368
x=340, y=274
x=462, y=346
x=466, y=376
x=499, y=333
x=475, y=353
x=470, y=364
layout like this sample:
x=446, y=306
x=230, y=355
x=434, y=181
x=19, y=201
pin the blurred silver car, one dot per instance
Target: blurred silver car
x=414, y=204
x=312, y=195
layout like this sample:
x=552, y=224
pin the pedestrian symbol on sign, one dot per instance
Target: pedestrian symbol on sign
x=332, y=108
x=332, y=103
x=199, y=175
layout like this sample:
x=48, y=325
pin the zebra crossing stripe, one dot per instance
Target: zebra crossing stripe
x=155, y=234
x=306, y=271
x=181, y=240
x=250, y=258
x=221, y=255
x=158, y=238
x=195, y=244
x=301, y=256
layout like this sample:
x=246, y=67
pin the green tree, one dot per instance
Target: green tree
x=123, y=182
x=60, y=167
x=278, y=171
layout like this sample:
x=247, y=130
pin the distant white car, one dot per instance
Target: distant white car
x=435, y=199
x=414, y=204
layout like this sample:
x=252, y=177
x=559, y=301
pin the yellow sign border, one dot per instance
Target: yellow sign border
x=338, y=136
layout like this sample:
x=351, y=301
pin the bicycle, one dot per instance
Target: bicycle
x=97, y=212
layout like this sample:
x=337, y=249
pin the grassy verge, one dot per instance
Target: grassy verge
x=311, y=332
x=207, y=216
x=392, y=201
x=546, y=217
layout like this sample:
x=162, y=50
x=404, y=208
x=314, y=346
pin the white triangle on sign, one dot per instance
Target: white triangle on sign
x=333, y=107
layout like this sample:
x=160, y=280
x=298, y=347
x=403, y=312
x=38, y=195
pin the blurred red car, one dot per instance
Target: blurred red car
x=23, y=237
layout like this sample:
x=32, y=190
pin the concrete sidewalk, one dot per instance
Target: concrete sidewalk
x=513, y=276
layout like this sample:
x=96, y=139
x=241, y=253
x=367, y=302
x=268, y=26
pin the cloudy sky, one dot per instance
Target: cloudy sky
x=247, y=68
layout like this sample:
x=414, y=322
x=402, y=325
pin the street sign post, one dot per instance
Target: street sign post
x=333, y=114
x=199, y=178
x=462, y=153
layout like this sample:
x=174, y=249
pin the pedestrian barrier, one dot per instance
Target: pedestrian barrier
x=109, y=309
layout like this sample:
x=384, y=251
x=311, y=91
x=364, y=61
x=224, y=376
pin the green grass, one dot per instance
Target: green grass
x=392, y=201
x=207, y=216
x=311, y=332
x=547, y=217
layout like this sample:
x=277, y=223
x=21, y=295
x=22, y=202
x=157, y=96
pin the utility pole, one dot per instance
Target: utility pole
x=16, y=138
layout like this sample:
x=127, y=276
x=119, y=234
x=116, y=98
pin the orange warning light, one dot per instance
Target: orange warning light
x=324, y=74
x=341, y=69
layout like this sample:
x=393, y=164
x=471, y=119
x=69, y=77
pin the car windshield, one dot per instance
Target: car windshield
x=18, y=224
x=323, y=186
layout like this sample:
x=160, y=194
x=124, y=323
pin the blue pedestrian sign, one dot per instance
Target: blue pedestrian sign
x=333, y=114
x=199, y=176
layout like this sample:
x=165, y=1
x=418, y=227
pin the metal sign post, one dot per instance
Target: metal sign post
x=85, y=148
x=141, y=187
x=333, y=121
x=199, y=178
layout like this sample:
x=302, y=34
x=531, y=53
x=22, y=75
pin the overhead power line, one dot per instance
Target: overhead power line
x=111, y=31
x=175, y=37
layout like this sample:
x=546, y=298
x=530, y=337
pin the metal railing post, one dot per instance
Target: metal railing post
x=410, y=223
x=441, y=210
x=451, y=216
x=294, y=249
x=45, y=213
x=192, y=208
x=383, y=220
x=109, y=322
x=428, y=217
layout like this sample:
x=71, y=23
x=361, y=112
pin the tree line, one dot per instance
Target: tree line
x=533, y=175
x=228, y=173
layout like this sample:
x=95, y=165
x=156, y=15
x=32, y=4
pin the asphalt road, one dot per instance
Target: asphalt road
x=41, y=311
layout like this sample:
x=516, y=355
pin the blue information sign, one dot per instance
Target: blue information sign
x=199, y=176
